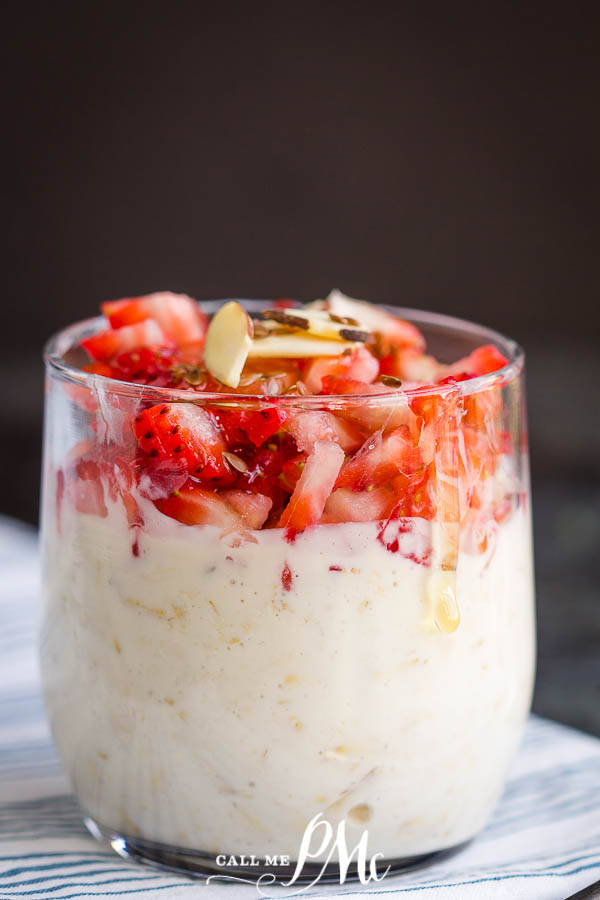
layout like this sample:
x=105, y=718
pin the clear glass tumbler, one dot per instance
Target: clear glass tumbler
x=212, y=689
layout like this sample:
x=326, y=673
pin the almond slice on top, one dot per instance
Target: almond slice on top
x=297, y=345
x=319, y=323
x=228, y=340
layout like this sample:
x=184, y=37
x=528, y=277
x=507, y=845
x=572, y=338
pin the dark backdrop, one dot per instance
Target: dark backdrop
x=415, y=155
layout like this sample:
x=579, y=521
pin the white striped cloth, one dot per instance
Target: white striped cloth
x=542, y=843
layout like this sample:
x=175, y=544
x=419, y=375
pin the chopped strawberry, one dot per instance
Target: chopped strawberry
x=360, y=365
x=346, y=505
x=380, y=459
x=285, y=303
x=252, y=507
x=372, y=416
x=410, y=365
x=85, y=489
x=179, y=316
x=192, y=505
x=482, y=361
x=107, y=344
x=182, y=431
x=145, y=366
x=308, y=427
x=291, y=471
x=414, y=495
x=259, y=425
x=314, y=486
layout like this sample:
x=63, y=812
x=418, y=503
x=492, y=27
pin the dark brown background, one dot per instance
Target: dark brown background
x=418, y=155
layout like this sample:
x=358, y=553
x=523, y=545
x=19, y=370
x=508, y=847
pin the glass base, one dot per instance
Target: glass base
x=201, y=865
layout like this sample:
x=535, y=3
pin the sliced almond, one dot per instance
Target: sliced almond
x=297, y=345
x=228, y=340
x=367, y=314
x=319, y=323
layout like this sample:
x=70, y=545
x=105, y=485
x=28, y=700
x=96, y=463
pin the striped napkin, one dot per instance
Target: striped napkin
x=542, y=844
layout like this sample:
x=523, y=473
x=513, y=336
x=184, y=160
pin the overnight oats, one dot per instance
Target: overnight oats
x=288, y=572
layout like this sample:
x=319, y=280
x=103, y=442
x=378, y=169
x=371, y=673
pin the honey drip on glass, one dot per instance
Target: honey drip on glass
x=441, y=588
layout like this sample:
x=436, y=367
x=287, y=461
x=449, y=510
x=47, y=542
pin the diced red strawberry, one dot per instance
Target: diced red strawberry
x=414, y=495
x=369, y=415
x=346, y=505
x=107, y=344
x=309, y=427
x=482, y=361
x=252, y=507
x=179, y=316
x=410, y=365
x=360, y=365
x=291, y=471
x=182, y=431
x=396, y=332
x=314, y=486
x=193, y=505
x=85, y=490
x=145, y=366
x=381, y=459
x=285, y=303
x=261, y=424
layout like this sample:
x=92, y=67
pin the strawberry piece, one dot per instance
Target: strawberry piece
x=107, y=344
x=291, y=471
x=179, y=316
x=414, y=495
x=144, y=366
x=360, y=365
x=252, y=507
x=184, y=432
x=193, y=505
x=410, y=364
x=345, y=505
x=259, y=425
x=372, y=416
x=309, y=427
x=285, y=303
x=85, y=490
x=482, y=361
x=381, y=459
x=314, y=486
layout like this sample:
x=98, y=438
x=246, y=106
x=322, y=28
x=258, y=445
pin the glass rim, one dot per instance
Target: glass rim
x=68, y=337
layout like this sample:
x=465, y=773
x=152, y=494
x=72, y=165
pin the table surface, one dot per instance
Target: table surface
x=543, y=841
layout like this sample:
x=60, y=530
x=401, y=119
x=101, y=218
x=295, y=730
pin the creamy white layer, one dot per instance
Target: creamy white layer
x=197, y=702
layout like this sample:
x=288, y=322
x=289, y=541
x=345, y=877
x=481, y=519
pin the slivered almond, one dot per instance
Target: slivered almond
x=319, y=323
x=297, y=345
x=228, y=340
x=236, y=461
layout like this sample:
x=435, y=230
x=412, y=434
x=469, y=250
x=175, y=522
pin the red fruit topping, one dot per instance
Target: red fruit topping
x=108, y=343
x=144, y=366
x=309, y=427
x=482, y=361
x=252, y=507
x=346, y=505
x=192, y=505
x=182, y=431
x=360, y=365
x=260, y=425
x=85, y=490
x=314, y=486
x=179, y=316
x=291, y=471
x=285, y=303
x=381, y=459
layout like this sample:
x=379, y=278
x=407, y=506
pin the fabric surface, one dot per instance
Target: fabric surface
x=542, y=843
